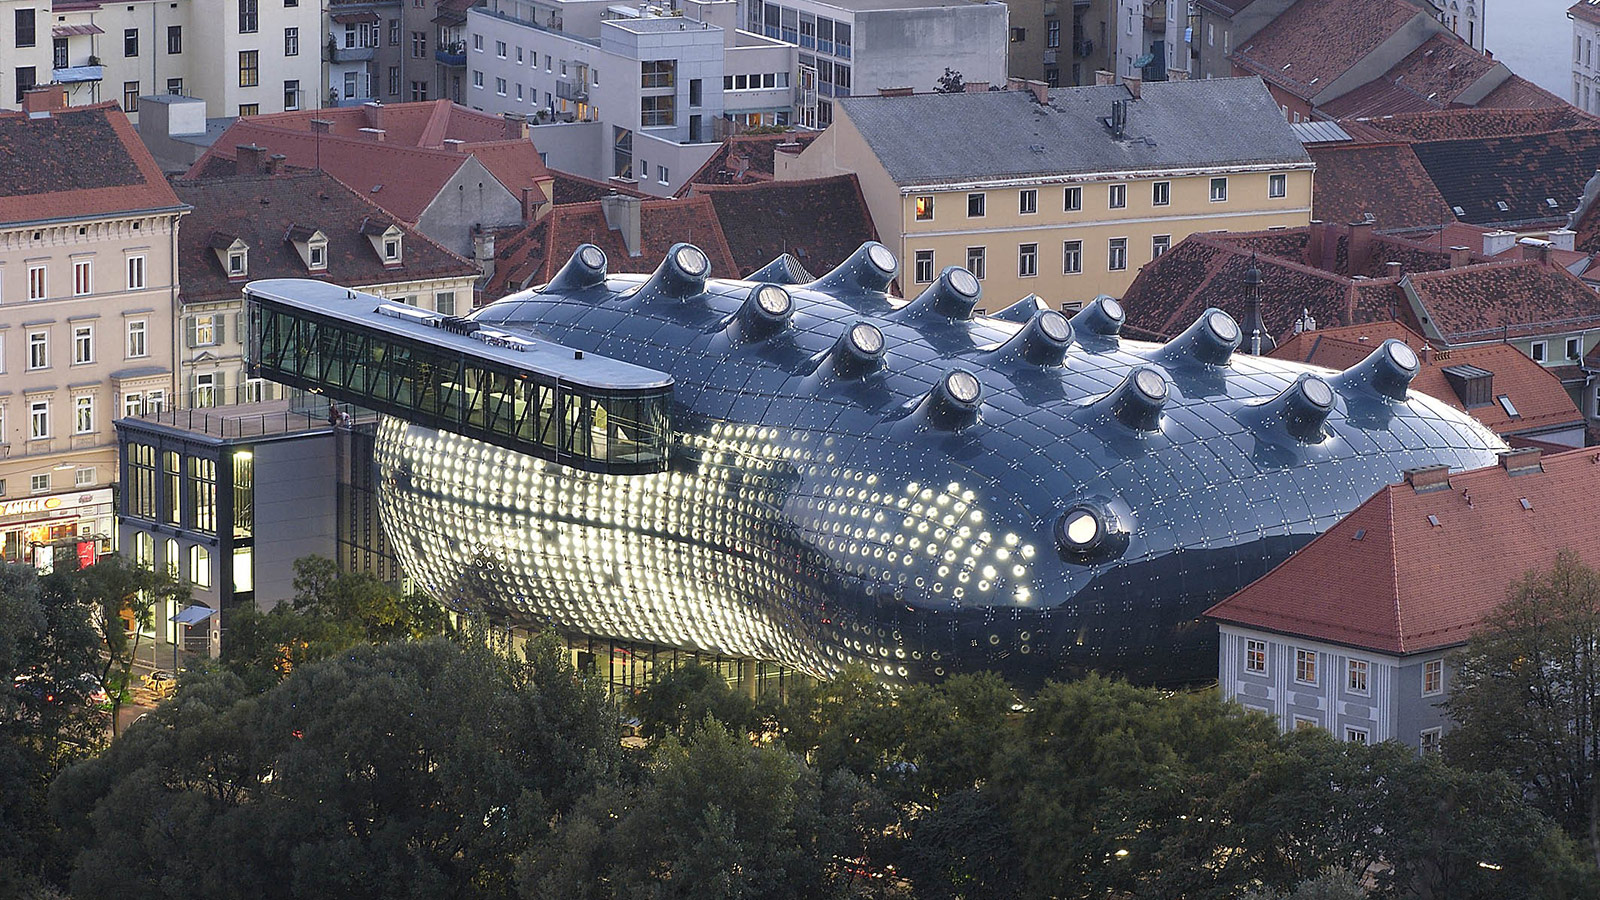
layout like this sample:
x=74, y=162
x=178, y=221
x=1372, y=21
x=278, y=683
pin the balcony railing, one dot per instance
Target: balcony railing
x=77, y=74
x=340, y=54
x=572, y=90
x=452, y=55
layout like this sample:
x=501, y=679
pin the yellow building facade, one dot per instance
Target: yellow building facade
x=1066, y=236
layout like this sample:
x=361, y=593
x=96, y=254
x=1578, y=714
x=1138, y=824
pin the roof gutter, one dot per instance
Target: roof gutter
x=1118, y=175
x=121, y=214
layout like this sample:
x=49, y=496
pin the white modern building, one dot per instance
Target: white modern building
x=643, y=94
x=1585, y=16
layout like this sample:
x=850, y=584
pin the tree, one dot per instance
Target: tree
x=407, y=769
x=950, y=82
x=1526, y=695
x=680, y=700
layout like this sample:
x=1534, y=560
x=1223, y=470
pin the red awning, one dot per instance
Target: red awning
x=356, y=18
x=70, y=30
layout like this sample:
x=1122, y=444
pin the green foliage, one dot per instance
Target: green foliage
x=680, y=700
x=409, y=769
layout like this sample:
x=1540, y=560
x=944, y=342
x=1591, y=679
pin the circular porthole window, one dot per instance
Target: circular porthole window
x=866, y=339
x=964, y=282
x=880, y=257
x=692, y=261
x=773, y=300
x=963, y=387
x=592, y=257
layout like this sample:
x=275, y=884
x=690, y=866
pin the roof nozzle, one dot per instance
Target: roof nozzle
x=1386, y=372
x=1210, y=341
x=1094, y=530
x=765, y=311
x=868, y=271
x=1021, y=311
x=1301, y=408
x=783, y=270
x=586, y=268
x=681, y=275
x=859, y=351
x=1101, y=317
x=1138, y=400
x=953, y=403
x=953, y=296
x=1044, y=341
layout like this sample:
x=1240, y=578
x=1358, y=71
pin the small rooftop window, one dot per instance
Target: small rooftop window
x=1433, y=520
x=1551, y=202
x=1502, y=205
x=1525, y=504
x=1508, y=406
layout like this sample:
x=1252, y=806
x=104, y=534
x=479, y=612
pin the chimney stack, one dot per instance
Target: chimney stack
x=1564, y=239
x=483, y=248
x=1360, y=252
x=1102, y=77
x=623, y=214
x=516, y=126
x=1015, y=84
x=249, y=159
x=1429, y=478
x=1498, y=242
x=372, y=113
x=1533, y=248
x=896, y=92
x=452, y=144
x=275, y=163
x=321, y=126
x=1134, y=85
x=1392, y=269
x=532, y=199
x=1459, y=256
x=376, y=134
x=1041, y=91
x=1522, y=460
x=1316, y=236
x=975, y=87
x=42, y=100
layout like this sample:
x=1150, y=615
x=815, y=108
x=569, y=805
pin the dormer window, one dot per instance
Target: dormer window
x=233, y=253
x=317, y=256
x=391, y=249
x=386, y=241
x=312, y=245
x=237, y=267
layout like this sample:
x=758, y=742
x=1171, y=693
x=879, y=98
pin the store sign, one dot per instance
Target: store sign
x=29, y=506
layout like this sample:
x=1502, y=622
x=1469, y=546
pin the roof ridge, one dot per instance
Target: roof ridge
x=1394, y=573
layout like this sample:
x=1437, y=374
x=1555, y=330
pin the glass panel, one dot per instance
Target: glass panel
x=244, y=494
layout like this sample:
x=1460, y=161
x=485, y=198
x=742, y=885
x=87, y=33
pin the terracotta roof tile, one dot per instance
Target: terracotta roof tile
x=1488, y=301
x=263, y=210
x=1406, y=585
x=819, y=221
x=1519, y=93
x=1314, y=42
x=1429, y=77
x=1586, y=10
x=571, y=188
x=1536, y=393
x=1385, y=180
x=746, y=158
x=1479, y=122
x=80, y=161
x=1512, y=180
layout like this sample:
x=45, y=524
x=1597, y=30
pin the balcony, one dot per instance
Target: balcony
x=340, y=54
x=572, y=90
x=1081, y=49
x=77, y=74
x=452, y=55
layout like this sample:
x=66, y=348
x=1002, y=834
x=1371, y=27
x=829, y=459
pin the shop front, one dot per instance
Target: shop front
x=44, y=530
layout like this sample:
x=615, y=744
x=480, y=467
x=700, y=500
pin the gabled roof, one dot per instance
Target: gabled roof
x=270, y=212
x=1494, y=300
x=1432, y=76
x=746, y=158
x=1535, y=392
x=1585, y=10
x=1386, y=578
x=533, y=253
x=569, y=188
x=1512, y=180
x=1480, y=122
x=1517, y=92
x=82, y=161
x=1314, y=42
x=940, y=138
x=818, y=221
x=1385, y=180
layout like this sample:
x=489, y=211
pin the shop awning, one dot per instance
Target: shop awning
x=194, y=615
x=72, y=30
x=367, y=17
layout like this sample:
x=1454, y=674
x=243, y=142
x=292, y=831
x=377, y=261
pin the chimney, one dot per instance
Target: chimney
x=1316, y=236
x=1429, y=478
x=40, y=101
x=532, y=199
x=622, y=215
x=1015, y=84
x=321, y=126
x=1533, y=248
x=1459, y=256
x=1564, y=239
x=1522, y=461
x=975, y=87
x=376, y=134
x=454, y=145
x=248, y=159
x=516, y=126
x=275, y=163
x=372, y=114
x=1041, y=92
x=483, y=248
x=896, y=92
x=1392, y=269
x=1102, y=77
x=1360, y=247
x=1134, y=85
x=1498, y=242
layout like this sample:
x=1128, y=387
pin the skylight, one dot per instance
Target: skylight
x=1508, y=406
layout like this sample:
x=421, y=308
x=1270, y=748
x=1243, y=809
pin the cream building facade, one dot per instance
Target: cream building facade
x=87, y=284
x=1055, y=197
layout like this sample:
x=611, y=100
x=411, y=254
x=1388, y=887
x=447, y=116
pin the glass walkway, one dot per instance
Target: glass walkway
x=453, y=374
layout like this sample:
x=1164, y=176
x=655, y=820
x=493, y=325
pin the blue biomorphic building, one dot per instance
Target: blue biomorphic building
x=811, y=472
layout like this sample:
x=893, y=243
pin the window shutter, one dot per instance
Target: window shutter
x=194, y=379
x=220, y=324
x=192, y=322
x=220, y=379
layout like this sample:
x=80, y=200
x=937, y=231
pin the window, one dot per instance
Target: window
x=248, y=20
x=1028, y=201
x=1074, y=199
x=924, y=208
x=477, y=43
x=1117, y=254
x=82, y=344
x=36, y=282
x=477, y=79
x=499, y=49
x=419, y=91
x=391, y=249
x=1432, y=677
x=655, y=112
x=203, y=494
x=1305, y=666
x=238, y=264
x=39, y=484
x=39, y=419
x=82, y=277
x=175, y=86
x=291, y=94
x=1018, y=35
x=1160, y=244
x=1117, y=196
x=254, y=390
x=1356, y=682
x=1356, y=735
x=1574, y=348
x=419, y=45
x=155, y=401
x=1052, y=33
x=1071, y=257
x=394, y=81
x=975, y=206
x=1539, y=350
x=83, y=415
x=205, y=390
x=130, y=42
x=975, y=261
x=249, y=68
x=1277, y=186
x=291, y=42
x=25, y=28
x=1161, y=193
x=203, y=331
x=130, y=96
x=136, y=273
x=500, y=86
x=1428, y=740
x=659, y=73
x=1255, y=656
x=38, y=350
x=445, y=303
x=83, y=477
x=174, y=39
x=394, y=32
x=200, y=566
x=922, y=269
x=132, y=405
x=1219, y=190
x=1027, y=260
x=317, y=254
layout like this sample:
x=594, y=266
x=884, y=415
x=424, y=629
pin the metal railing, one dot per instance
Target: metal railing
x=230, y=422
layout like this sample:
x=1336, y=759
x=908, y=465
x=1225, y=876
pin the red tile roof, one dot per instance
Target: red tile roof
x=1519, y=93
x=1314, y=42
x=569, y=188
x=82, y=161
x=1587, y=10
x=1536, y=393
x=1480, y=122
x=261, y=210
x=1429, y=77
x=1386, y=578
x=1385, y=180
x=745, y=158
x=819, y=221
x=1522, y=180
x=1492, y=300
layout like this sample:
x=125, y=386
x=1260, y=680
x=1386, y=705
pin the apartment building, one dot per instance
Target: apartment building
x=242, y=57
x=1585, y=16
x=1070, y=191
x=88, y=227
